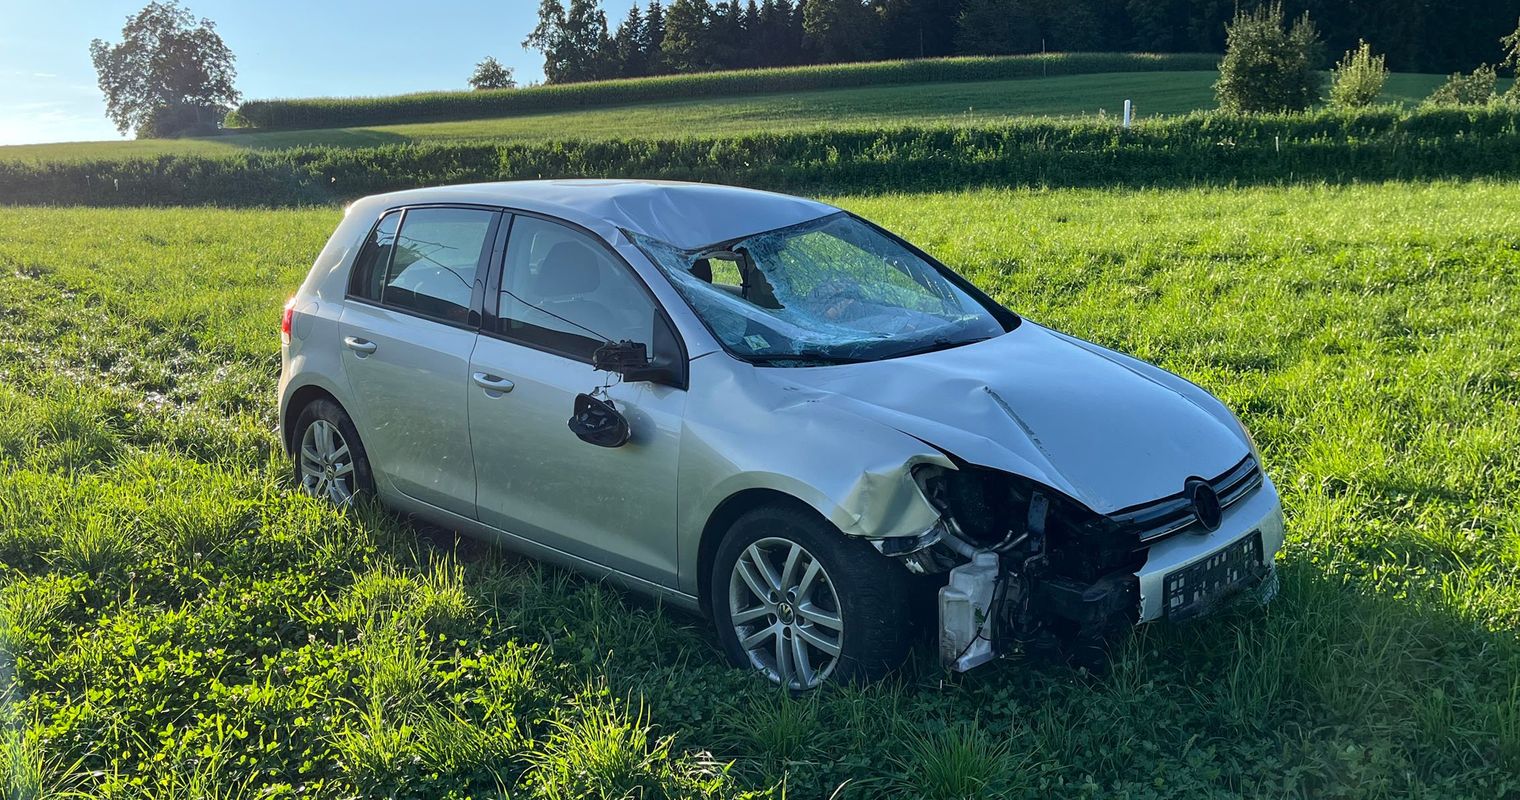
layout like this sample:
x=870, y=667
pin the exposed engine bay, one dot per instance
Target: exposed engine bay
x=1028, y=569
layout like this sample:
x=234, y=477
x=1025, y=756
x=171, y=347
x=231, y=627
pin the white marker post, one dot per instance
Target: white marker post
x=1128, y=110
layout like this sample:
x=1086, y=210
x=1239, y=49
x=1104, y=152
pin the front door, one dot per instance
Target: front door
x=562, y=294
x=408, y=330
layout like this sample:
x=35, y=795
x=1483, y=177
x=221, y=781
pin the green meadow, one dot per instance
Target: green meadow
x=975, y=102
x=176, y=621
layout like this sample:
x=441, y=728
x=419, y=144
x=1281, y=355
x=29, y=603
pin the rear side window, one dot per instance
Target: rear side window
x=368, y=276
x=437, y=257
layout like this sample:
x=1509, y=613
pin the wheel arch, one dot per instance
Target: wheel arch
x=300, y=399
x=724, y=516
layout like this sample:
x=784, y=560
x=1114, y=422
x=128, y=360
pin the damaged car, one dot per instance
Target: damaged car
x=766, y=409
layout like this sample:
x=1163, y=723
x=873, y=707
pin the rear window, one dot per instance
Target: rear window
x=436, y=258
x=368, y=276
x=429, y=266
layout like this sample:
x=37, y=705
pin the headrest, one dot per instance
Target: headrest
x=702, y=269
x=570, y=268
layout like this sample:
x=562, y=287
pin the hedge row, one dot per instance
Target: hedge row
x=433, y=106
x=1198, y=149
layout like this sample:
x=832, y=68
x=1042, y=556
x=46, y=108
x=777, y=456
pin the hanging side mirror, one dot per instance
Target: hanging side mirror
x=597, y=421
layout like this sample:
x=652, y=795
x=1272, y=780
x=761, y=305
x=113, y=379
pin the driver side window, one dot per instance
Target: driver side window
x=561, y=290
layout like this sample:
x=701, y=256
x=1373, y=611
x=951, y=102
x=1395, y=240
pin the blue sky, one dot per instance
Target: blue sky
x=283, y=49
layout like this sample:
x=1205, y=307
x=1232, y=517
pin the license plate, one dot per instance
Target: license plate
x=1196, y=587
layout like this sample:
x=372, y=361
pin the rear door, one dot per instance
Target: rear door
x=563, y=293
x=408, y=330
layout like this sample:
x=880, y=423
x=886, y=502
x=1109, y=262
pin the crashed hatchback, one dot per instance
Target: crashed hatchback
x=767, y=409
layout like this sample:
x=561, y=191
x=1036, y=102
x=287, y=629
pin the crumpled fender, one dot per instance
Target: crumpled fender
x=747, y=432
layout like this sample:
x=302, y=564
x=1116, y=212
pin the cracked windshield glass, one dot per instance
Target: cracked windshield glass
x=833, y=290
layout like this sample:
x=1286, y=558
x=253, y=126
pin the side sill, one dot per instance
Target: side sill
x=540, y=552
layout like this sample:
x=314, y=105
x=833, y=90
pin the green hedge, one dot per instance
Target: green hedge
x=434, y=106
x=1197, y=149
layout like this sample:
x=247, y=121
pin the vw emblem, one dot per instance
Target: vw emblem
x=1205, y=503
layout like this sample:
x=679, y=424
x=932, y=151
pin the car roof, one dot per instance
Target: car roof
x=687, y=215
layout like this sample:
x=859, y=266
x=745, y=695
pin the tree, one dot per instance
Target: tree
x=491, y=74
x=1267, y=66
x=841, y=30
x=548, y=37
x=589, y=53
x=654, y=38
x=1511, y=45
x=919, y=28
x=171, y=74
x=628, y=44
x=1358, y=79
x=685, y=47
x=575, y=43
x=996, y=27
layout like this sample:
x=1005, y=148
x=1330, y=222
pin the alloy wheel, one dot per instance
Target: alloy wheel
x=786, y=613
x=327, y=466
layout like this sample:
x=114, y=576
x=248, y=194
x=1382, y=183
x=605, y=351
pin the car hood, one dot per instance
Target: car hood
x=1104, y=429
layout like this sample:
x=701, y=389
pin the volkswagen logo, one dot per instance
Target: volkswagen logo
x=1205, y=503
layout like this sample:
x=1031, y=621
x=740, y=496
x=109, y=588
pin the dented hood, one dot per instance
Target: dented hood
x=1106, y=430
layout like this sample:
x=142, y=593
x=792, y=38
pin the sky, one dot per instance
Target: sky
x=284, y=48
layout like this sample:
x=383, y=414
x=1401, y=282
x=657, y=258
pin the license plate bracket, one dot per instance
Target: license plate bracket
x=1196, y=588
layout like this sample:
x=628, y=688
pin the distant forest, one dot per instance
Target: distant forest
x=698, y=35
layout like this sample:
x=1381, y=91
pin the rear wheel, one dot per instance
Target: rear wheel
x=330, y=462
x=800, y=603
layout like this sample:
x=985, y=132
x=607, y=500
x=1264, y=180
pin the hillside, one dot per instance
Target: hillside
x=982, y=102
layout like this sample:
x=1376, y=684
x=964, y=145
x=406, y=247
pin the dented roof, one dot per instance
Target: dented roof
x=687, y=215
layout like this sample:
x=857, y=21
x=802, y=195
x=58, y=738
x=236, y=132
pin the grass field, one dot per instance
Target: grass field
x=1154, y=93
x=176, y=622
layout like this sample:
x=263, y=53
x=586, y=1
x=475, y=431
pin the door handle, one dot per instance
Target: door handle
x=491, y=383
x=360, y=346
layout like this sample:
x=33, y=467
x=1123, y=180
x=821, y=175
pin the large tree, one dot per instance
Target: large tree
x=996, y=27
x=686, y=47
x=841, y=30
x=171, y=73
x=575, y=43
x=628, y=45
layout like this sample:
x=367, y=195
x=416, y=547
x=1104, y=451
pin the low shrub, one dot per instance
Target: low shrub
x=1374, y=144
x=1358, y=79
x=1268, y=65
x=1474, y=88
x=340, y=112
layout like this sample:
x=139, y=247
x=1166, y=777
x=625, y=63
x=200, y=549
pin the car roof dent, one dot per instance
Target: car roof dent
x=687, y=215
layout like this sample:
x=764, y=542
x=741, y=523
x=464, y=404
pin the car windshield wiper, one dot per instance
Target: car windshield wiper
x=935, y=346
x=815, y=358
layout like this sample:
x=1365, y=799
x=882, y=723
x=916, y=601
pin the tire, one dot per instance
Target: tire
x=872, y=598
x=350, y=477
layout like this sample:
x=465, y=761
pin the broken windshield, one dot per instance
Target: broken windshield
x=832, y=290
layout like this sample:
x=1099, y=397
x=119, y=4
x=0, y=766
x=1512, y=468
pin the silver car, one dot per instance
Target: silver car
x=767, y=409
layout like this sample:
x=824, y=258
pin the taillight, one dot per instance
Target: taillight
x=290, y=312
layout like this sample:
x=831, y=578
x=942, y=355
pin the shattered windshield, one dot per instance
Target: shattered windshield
x=832, y=290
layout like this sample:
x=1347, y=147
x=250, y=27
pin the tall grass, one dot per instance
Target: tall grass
x=335, y=112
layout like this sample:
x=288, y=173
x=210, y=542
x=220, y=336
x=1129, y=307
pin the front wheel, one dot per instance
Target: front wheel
x=800, y=603
x=330, y=462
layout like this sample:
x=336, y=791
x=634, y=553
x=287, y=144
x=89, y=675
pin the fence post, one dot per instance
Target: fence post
x=1128, y=110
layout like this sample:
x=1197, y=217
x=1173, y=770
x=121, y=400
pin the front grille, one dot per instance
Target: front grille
x=1174, y=514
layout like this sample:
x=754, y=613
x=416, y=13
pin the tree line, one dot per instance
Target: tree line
x=578, y=44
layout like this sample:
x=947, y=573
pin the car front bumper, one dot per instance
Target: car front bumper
x=1259, y=513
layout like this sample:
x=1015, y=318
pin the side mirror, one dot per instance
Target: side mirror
x=631, y=360
x=597, y=421
x=621, y=357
